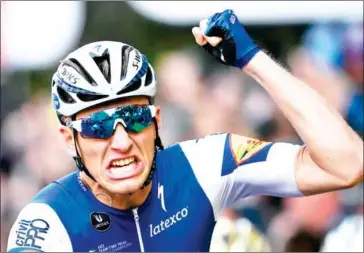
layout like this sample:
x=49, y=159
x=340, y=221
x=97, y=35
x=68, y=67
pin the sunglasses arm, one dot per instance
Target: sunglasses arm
x=152, y=110
x=75, y=124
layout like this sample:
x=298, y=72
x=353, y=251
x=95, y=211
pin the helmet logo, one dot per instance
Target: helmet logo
x=56, y=103
x=137, y=60
x=97, y=48
x=68, y=76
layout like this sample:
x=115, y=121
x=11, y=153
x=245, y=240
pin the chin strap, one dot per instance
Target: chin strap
x=158, y=146
x=80, y=165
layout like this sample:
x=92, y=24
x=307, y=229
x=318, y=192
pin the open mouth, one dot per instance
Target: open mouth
x=123, y=162
x=124, y=168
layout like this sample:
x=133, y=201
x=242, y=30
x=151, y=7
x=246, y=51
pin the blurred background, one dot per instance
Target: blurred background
x=320, y=42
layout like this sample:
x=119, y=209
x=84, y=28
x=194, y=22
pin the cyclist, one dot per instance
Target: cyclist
x=131, y=194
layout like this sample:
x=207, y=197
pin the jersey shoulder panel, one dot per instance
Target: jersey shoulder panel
x=220, y=154
x=283, y=152
x=241, y=150
x=206, y=152
x=229, y=167
x=38, y=228
x=206, y=156
x=272, y=172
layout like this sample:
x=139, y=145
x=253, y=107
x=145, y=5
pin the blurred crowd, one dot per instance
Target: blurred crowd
x=199, y=97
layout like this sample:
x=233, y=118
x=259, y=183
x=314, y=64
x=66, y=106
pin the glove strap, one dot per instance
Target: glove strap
x=214, y=52
x=240, y=63
x=246, y=58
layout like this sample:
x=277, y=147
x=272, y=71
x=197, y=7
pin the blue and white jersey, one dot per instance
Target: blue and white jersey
x=194, y=181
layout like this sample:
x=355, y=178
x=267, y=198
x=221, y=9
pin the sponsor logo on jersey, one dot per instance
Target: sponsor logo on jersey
x=79, y=180
x=115, y=247
x=165, y=224
x=244, y=148
x=31, y=233
x=100, y=221
x=161, y=196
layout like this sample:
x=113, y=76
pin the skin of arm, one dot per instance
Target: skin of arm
x=332, y=157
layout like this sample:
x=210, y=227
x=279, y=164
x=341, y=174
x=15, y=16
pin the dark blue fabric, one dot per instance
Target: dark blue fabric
x=355, y=114
x=237, y=46
x=183, y=196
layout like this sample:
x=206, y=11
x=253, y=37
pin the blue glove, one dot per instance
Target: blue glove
x=236, y=48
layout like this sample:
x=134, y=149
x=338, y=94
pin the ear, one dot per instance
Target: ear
x=158, y=117
x=67, y=136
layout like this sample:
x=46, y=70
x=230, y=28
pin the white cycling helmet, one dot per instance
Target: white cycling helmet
x=83, y=79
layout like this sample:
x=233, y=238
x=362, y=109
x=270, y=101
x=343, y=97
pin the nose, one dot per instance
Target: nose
x=121, y=140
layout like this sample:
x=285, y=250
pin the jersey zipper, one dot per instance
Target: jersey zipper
x=136, y=218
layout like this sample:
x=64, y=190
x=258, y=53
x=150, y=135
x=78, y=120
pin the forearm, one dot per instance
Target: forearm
x=331, y=143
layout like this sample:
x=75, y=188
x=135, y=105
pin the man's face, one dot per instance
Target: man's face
x=120, y=164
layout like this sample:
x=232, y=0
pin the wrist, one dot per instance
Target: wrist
x=252, y=64
x=244, y=61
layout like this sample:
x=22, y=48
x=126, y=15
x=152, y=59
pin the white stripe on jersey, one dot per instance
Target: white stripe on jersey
x=39, y=227
x=274, y=177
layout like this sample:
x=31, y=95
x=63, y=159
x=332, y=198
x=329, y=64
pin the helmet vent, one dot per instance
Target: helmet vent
x=149, y=77
x=64, y=96
x=133, y=87
x=90, y=97
x=125, y=52
x=73, y=63
x=103, y=63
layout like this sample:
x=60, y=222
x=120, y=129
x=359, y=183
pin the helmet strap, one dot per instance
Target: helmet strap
x=78, y=159
x=158, y=146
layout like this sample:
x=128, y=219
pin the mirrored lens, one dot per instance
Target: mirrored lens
x=136, y=118
x=101, y=129
x=101, y=125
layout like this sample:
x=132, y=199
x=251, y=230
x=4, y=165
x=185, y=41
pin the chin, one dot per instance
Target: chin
x=126, y=186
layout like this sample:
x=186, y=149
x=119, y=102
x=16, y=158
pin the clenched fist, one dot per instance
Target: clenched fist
x=224, y=37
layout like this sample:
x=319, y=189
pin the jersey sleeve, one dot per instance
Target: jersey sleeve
x=38, y=228
x=229, y=167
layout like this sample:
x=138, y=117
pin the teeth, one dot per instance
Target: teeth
x=120, y=171
x=123, y=162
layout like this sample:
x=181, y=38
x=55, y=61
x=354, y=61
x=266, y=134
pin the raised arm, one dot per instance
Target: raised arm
x=332, y=158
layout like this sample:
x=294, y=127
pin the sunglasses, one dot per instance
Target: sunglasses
x=101, y=124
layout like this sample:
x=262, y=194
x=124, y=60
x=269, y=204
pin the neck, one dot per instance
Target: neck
x=119, y=201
